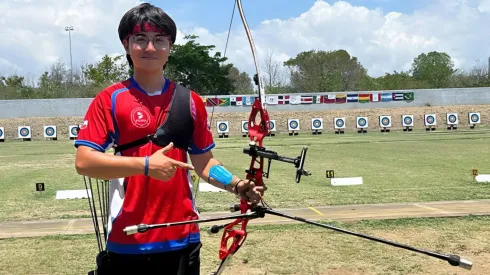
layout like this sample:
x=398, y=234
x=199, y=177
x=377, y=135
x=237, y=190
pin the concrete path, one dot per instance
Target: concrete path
x=335, y=213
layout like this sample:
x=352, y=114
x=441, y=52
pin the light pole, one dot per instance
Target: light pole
x=69, y=29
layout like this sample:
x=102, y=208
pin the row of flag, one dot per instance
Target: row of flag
x=309, y=99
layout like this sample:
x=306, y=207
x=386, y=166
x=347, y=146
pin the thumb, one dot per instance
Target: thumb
x=167, y=148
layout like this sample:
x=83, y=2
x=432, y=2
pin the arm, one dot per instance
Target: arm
x=95, y=164
x=202, y=164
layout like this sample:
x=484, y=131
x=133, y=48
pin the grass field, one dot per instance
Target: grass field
x=290, y=249
x=396, y=167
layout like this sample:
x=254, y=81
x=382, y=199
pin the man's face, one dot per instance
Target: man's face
x=149, y=50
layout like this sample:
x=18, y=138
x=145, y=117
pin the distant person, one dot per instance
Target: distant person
x=150, y=178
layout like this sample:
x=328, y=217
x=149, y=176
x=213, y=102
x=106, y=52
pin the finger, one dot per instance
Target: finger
x=180, y=164
x=167, y=148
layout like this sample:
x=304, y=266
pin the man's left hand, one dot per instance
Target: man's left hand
x=248, y=191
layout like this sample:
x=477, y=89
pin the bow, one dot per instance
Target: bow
x=236, y=231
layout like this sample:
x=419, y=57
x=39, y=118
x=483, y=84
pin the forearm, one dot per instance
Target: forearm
x=203, y=171
x=106, y=166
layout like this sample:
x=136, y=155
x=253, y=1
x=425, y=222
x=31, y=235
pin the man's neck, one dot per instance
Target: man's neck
x=150, y=82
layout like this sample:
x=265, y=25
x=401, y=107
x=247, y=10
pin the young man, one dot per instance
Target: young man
x=150, y=182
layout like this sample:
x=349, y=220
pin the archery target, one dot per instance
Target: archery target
x=24, y=131
x=272, y=125
x=73, y=131
x=385, y=121
x=362, y=122
x=430, y=120
x=244, y=126
x=222, y=127
x=293, y=124
x=474, y=118
x=2, y=133
x=49, y=131
x=339, y=122
x=407, y=120
x=317, y=123
x=452, y=118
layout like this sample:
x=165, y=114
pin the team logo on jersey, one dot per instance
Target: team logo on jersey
x=140, y=117
x=84, y=124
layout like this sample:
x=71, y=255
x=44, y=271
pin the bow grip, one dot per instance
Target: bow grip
x=219, y=173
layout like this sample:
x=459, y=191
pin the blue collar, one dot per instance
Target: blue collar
x=137, y=86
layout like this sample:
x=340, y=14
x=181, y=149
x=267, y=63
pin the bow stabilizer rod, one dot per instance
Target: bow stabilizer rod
x=452, y=259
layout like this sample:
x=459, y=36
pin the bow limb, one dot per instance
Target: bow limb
x=258, y=128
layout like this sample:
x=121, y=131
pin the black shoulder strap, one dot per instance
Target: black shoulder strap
x=177, y=127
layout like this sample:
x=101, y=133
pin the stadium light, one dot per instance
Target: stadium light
x=69, y=29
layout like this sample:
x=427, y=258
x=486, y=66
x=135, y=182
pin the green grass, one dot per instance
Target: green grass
x=396, y=167
x=290, y=249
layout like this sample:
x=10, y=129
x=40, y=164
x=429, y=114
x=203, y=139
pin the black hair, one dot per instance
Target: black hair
x=146, y=13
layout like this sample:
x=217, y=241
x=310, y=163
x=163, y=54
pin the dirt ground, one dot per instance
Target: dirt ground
x=281, y=118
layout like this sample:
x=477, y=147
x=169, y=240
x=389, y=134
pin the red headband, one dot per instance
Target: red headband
x=146, y=27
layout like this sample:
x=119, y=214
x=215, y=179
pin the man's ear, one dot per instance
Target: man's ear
x=126, y=45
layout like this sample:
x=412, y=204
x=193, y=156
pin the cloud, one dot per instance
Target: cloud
x=33, y=34
x=382, y=41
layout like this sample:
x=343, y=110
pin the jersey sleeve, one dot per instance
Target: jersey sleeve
x=202, y=138
x=96, y=130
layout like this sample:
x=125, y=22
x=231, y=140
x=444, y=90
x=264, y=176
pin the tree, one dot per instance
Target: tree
x=192, y=66
x=435, y=67
x=242, y=82
x=322, y=71
x=108, y=70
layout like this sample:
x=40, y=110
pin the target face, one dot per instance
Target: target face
x=222, y=127
x=474, y=118
x=74, y=131
x=385, y=121
x=430, y=119
x=339, y=123
x=293, y=124
x=407, y=120
x=24, y=132
x=362, y=122
x=1, y=133
x=271, y=125
x=452, y=118
x=245, y=125
x=317, y=123
x=49, y=131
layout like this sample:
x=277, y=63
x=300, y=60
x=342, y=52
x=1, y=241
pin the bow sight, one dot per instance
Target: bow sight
x=258, y=151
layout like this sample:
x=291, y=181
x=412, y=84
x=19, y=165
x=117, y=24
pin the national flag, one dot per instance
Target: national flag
x=386, y=97
x=294, y=99
x=409, y=96
x=364, y=98
x=212, y=101
x=283, y=99
x=317, y=99
x=271, y=99
x=235, y=100
x=340, y=98
x=224, y=101
x=329, y=98
x=204, y=100
x=248, y=100
x=306, y=99
x=397, y=96
x=352, y=98
x=375, y=97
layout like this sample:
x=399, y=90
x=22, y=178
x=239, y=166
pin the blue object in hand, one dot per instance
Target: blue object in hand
x=219, y=173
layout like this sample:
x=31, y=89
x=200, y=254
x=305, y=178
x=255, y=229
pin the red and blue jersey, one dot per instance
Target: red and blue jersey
x=122, y=113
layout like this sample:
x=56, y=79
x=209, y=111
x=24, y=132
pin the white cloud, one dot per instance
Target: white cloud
x=33, y=34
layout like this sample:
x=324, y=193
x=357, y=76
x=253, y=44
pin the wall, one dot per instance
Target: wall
x=78, y=106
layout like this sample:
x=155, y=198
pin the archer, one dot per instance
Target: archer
x=152, y=123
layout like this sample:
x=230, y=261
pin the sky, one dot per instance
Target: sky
x=385, y=35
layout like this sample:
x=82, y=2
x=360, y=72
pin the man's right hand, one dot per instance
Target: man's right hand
x=162, y=167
